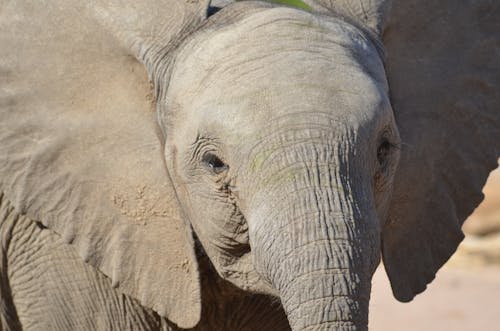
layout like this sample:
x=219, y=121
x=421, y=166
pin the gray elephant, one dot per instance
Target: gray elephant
x=166, y=166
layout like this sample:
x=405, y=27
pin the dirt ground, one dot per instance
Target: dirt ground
x=458, y=300
x=465, y=296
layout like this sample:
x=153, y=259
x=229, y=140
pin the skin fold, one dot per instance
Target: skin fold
x=181, y=165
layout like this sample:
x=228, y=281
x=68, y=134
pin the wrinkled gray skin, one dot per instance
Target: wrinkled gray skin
x=306, y=144
x=297, y=152
x=300, y=147
x=47, y=287
x=282, y=147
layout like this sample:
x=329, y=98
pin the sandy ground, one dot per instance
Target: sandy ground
x=458, y=300
x=465, y=296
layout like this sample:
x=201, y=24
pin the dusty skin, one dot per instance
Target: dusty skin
x=464, y=295
x=162, y=168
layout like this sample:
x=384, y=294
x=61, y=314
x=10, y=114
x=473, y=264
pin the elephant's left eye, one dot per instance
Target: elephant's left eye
x=383, y=151
x=214, y=163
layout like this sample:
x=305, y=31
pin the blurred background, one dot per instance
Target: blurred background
x=465, y=295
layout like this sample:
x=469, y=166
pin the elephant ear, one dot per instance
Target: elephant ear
x=371, y=14
x=443, y=71
x=79, y=150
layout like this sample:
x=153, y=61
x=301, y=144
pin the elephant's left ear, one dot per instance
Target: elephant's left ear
x=444, y=75
x=79, y=150
x=371, y=14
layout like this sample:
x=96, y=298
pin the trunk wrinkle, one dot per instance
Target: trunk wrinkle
x=284, y=221
x=340, y=287
x=324, y=298
x=339, y=325
x=297, y=249
x=312, y=226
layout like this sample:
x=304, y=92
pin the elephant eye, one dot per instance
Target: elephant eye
x=383, y=151
x=214, y=163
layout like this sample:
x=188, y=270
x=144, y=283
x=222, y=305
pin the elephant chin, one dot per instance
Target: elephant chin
x=319, y=254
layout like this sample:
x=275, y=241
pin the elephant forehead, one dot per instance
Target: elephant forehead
x=279, y=61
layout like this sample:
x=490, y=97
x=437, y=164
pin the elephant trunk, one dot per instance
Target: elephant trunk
x=315, y=238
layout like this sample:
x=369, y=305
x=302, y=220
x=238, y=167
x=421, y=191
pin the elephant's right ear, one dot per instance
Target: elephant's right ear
x=79, y=149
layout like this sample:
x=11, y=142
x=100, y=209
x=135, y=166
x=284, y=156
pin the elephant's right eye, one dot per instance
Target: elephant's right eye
x=214, y=163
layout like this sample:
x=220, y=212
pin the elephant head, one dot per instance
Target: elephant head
x=281, y=177
x=295, y=146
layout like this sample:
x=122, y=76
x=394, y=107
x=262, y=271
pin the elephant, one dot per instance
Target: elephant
x=171, y=164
